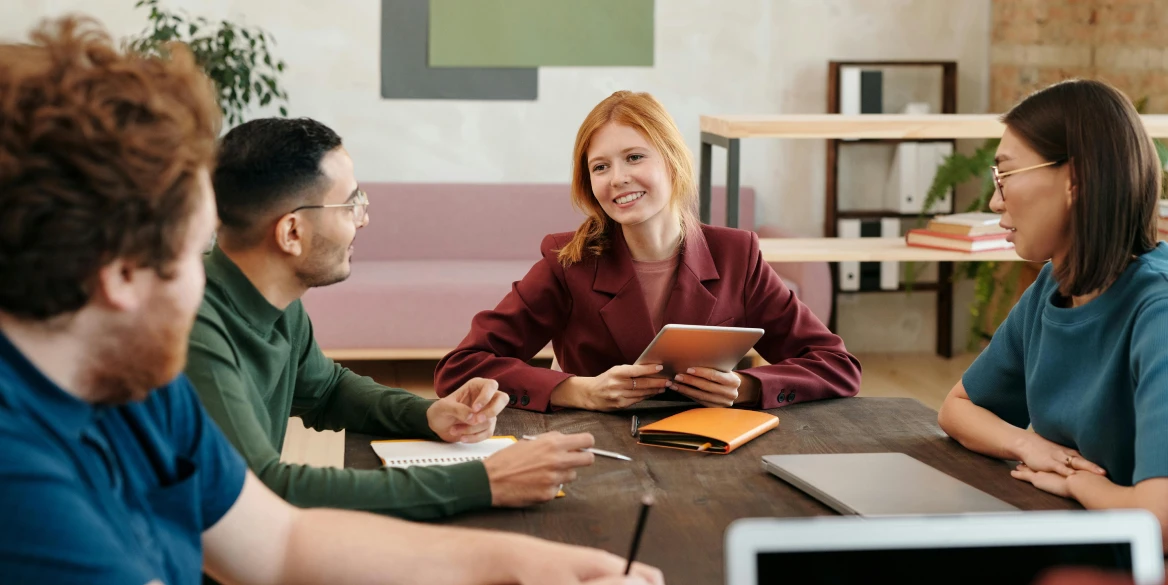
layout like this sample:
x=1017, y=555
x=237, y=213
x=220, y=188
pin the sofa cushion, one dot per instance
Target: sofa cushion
x=411, y=304
x=466, y=221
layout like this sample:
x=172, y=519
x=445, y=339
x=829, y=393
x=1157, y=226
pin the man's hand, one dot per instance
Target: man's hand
x=530, y=472
x=468, y=414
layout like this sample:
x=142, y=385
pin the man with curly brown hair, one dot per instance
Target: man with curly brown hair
x=110, y=470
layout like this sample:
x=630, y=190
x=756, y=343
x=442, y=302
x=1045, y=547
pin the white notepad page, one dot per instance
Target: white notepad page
x=407, y=453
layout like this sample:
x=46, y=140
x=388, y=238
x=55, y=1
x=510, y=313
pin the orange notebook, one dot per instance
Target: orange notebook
x=710, y=430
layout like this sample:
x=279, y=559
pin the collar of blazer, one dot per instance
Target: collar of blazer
x=615, y=269
x=627, y=317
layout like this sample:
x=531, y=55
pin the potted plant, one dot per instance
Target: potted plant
x=237, y=59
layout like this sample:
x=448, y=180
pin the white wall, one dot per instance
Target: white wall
x=712, y=57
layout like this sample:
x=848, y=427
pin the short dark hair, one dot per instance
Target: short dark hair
x=100, y=152
x=1095, y=129
x=265, y=165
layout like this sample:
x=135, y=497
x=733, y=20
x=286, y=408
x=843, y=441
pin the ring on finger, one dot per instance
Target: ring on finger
x=634, y=383
x=1070, y=458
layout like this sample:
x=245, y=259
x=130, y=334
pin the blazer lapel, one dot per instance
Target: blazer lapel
x=691, y=303
x=625, y=315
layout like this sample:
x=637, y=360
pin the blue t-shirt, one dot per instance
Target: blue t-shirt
x=1093, y=378
x=106, y=494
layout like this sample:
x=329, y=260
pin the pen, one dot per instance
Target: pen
x=600, y=452
x=634, y=429
x=646, y=502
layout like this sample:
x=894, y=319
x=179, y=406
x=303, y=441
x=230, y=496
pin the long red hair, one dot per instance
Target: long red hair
x=644, y=113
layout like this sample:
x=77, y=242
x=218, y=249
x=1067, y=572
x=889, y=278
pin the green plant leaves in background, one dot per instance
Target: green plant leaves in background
x=237, y=59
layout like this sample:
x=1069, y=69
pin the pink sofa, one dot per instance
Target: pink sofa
x=434, y=255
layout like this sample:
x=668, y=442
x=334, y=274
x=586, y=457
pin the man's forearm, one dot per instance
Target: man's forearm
x=334, y=546
x=361, y=405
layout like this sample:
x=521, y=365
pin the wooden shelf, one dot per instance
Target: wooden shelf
x=891, y=141
x=885, y=126
x=917, y=287
x=867, y=250
x=877, y=213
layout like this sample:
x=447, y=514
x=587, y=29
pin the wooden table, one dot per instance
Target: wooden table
x=699, y=495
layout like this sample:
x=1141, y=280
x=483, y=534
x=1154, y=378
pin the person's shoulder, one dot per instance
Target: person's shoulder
x=553, y=243
x=1148, y=289
x=170, y=406
x=720, y=234
x=725, y=243
x=214, y=308
x=210, y=331
x=31, y=450
x=1151, y=277
x=1044, y=284
x=550, y=251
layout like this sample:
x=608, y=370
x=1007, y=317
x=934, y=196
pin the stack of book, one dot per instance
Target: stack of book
x=967, y=232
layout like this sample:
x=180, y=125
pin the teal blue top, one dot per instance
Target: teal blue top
x=1093, y=378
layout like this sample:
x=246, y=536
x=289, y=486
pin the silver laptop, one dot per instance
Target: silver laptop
x=880, y=484
x=965, y=549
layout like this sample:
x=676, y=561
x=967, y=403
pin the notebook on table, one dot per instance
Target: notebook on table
x=410, y=452
x=709, y=430
x=402, y=453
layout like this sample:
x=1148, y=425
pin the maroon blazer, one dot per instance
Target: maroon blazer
x=595, y=315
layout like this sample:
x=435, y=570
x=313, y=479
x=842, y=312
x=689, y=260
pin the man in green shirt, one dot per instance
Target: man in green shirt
x=289, y=208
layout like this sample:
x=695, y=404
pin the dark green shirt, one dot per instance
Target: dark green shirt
x=255, y=365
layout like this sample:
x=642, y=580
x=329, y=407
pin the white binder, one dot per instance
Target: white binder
x=913, y=169
x=849, y=272
x=930, y=156
x=902, y=193
x=889, y=271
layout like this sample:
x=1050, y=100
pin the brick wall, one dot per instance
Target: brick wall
x=1037, y=42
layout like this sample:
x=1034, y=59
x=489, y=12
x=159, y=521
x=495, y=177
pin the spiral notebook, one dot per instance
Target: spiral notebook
x=410, y=452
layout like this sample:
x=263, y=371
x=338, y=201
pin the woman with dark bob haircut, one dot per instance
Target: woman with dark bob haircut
x=1083, y=356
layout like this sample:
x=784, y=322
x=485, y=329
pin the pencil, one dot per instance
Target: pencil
x=646, y=502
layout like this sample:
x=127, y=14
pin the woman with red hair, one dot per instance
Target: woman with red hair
x=639, y=261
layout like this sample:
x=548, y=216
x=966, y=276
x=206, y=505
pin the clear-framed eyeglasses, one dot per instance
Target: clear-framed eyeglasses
x=359, y=205
x=998, y=175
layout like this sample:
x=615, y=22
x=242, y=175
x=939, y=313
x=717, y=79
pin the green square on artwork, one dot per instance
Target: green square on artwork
x=535, y=33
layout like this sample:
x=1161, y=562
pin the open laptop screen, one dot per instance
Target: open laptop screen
x=1001, y=549
x=1000, y=565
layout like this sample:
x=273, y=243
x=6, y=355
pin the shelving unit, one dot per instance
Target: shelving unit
x=832, y=212
x=728, y=131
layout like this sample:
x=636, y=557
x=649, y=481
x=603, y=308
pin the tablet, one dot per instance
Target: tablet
x=678, y=347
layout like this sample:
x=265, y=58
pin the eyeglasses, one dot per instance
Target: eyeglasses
x=998, y=174
x=360, y=206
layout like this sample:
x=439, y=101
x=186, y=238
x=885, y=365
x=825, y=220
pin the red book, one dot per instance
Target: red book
x=940, y=240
